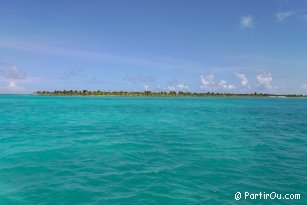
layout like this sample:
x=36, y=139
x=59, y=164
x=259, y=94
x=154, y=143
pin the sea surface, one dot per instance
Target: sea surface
x=151, y=150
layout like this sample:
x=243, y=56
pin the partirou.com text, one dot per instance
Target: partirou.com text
x=266, y=196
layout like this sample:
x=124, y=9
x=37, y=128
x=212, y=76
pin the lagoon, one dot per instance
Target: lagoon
x=150, y=150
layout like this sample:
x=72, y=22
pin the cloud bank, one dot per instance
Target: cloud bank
x=223, y=84
x=265, y=80
x=243, y=79
x=178, y=87
x=207, y=81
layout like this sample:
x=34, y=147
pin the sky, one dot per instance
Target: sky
x=238, y=46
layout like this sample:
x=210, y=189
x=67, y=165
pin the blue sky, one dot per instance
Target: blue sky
x=222, y=46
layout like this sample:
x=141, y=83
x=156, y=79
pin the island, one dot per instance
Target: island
x=159, y=94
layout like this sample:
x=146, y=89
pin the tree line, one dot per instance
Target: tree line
x=156, y=94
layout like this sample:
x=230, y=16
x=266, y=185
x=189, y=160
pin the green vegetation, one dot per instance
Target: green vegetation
x=155, y=94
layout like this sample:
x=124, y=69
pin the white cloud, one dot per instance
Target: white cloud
x=209, y=84
x=223, y=84
x=207, y=81
x=146, y=87
x=179, y=87
x=171, y=88
x=265, y=80
x=12, y=87
x=243, y=79
x=10, y=76
x=182, y=87
x=283, y=15
x=247, y=21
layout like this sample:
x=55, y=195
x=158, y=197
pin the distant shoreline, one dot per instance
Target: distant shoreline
x=161, y=94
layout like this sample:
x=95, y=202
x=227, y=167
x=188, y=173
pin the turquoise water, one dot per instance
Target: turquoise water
x=121, y=150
